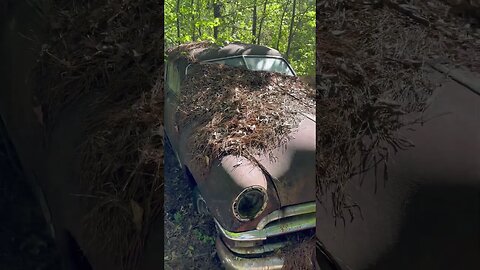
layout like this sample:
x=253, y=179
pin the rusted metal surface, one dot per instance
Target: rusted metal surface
x=289, y=180
x=428, y=209
x=294, y=166
x=224, y=182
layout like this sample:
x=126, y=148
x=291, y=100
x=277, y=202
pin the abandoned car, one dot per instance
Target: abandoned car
x=258, y=207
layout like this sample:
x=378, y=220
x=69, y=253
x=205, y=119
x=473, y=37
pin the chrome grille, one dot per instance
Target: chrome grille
x=279, y=228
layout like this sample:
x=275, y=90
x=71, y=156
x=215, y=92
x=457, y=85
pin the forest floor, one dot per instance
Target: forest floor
x=25, y=241
x=189, y=237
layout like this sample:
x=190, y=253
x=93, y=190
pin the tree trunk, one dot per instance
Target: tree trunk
x=261, y=21
x=254, y=22
x=194, y=38
x=281, y=25
x=290, y=35
x=234, y=20
x=216, y=14
x=177, y=10
x=199, y=18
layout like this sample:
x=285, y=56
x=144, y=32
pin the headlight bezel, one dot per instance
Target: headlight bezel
x=239, y=203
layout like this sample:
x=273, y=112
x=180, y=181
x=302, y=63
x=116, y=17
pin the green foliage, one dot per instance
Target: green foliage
x=194, y=20
x=201, y=236
x=178, y=217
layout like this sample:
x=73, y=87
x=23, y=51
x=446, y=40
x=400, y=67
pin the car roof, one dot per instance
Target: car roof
x=235, y=49
x=186, y=54
x=207, y=51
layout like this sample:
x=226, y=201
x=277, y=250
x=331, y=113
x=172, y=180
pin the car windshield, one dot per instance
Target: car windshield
x=258, y=64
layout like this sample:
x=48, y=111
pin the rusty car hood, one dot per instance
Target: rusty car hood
x=289, y=180
x=293, y=169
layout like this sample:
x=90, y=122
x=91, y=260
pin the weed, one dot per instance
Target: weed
x=178, y=217
x=203, y=237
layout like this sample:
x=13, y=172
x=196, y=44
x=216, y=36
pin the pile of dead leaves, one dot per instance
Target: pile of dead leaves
x=240, y=112
x=112, y=52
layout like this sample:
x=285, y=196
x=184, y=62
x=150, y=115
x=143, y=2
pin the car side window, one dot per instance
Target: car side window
x=173, y=78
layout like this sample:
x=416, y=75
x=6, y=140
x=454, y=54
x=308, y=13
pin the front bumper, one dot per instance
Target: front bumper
x=256, y=249
x=232, y=262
